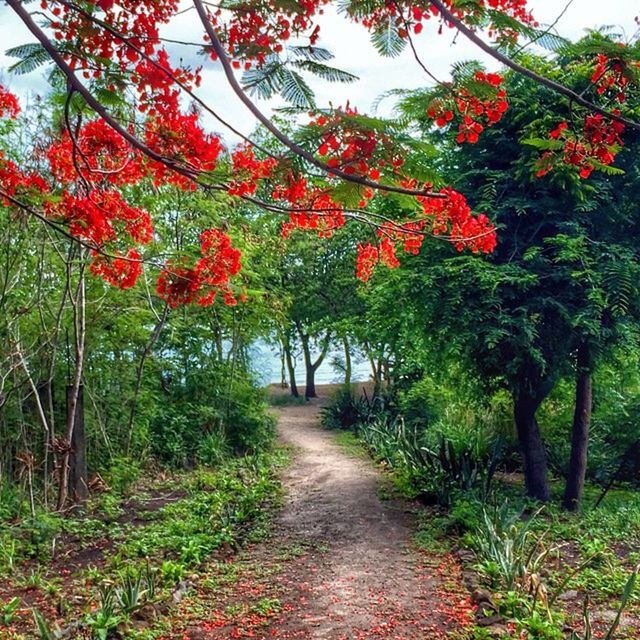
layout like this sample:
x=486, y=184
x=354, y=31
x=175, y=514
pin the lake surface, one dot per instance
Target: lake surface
x=266, y=365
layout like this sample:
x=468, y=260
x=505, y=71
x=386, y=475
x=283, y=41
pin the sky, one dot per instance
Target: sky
x=353, y=52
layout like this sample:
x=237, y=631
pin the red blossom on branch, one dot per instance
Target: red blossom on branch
x=183, y=282
x=9, y=106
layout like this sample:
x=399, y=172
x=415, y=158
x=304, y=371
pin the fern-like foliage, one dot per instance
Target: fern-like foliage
x=31, y=56
x=620, y=283
x=387, y=40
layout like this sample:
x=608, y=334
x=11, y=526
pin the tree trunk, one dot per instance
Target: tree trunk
x=533, y=453
x=291, y=369
x=78, y=457
x=348, y=367
x=310, y=388
x=155, y=334
x=310, y=366
x=580, y=432
x=310, y=372
x=79, y=320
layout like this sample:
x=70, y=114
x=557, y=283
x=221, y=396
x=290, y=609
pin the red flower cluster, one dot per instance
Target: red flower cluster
x=100, y=154
x=352, y=147
x=179, y=138
x=14, y=182
x=611, y=74
x=472, y=108
x=182, y=283
x=597, y=144
x=252, y=33
x=102, y=217
x=157, y=86
x=9, y=107
x=318, y=212
x=138, y=20
x=451, y=215
x=120, y=271
x=407, y=16
x=247, y=171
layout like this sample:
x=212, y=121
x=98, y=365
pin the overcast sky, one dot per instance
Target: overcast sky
x=353, y=51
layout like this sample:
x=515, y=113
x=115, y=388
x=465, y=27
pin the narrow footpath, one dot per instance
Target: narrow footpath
x=341, y=564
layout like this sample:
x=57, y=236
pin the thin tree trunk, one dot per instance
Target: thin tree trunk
x=79, y=317
x=348, y=367
x=291, y=369
x=532, y=447
x=155, y=334
x=78, y=458
x=580, y=432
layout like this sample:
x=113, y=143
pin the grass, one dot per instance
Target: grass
x=101, y=569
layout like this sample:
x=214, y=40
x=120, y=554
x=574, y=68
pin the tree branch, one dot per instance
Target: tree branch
x=518, y=68
x=277, y=133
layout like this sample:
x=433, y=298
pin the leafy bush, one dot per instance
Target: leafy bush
x=213, y=449
x=439, y=471
x=122, y=473
x=197, y=428
x=510, y=553
x=347, y=411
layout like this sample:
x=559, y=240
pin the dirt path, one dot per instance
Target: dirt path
x=341, y=564
x=369, y=579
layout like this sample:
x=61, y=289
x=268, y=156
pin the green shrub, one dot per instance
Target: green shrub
x=346, y=410
x=213, y=449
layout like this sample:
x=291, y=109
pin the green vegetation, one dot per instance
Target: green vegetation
x=126, y=568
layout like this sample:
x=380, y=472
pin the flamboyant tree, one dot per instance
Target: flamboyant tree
x=112, y=57
x=133, y=113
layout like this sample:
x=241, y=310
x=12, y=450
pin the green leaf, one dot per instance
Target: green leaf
x=32, y=55
x=387, y=40
x=543, y=143
x=296, y=91
x=319, y=54
x=265, y=81
x=331, y=74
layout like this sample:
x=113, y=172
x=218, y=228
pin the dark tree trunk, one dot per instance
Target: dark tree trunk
x=348, y=367
x=310, y=366
x=310, y=388
x=533, y=453
x=580, y=432
x=78, y=457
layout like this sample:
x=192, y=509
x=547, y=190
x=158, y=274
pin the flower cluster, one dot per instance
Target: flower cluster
x=157, y=83
x=247, y=171
x=139, y=21
x=98, y=153
x=184, y=282
x=611, y=75
x=101, y=217
x=253, y=32
x=351, y=146
x=9, y=107
x=597, y=144
x=119, y=271
x=475, y=112
x=183, y=142
x=14, y=182
x=451, y=215
x=408, y=17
